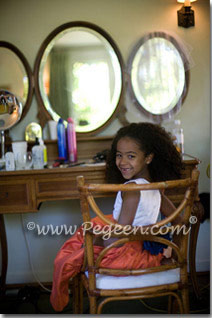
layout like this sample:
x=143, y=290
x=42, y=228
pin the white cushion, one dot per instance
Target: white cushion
x=146, y=280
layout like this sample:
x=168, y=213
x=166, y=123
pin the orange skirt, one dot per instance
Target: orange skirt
x=69, y=260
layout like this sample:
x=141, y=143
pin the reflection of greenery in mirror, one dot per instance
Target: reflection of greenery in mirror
x=158, y=76
x=80, y=77
x=13, y=76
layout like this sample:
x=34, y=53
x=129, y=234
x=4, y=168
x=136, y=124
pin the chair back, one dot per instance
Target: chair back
x=88, y=193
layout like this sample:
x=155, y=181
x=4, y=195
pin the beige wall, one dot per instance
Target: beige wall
x=26, y=23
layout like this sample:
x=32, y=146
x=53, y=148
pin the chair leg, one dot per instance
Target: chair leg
x=174, y=305
x=80, y=296
x=76, y=295
x=93, y=304
x=192, y=258
x=170, y=304
x=185, y=299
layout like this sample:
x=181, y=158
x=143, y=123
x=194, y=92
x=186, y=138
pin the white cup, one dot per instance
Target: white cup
x=52, y=129
x=19, y=149
x=20, y=161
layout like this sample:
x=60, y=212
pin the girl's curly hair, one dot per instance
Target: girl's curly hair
x=151, y=138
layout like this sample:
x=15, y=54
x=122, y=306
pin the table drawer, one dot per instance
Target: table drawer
x=64, y=186
x=16, y=197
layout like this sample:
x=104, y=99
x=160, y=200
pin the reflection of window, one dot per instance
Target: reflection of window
x=46, y=78
x=26, y=87
x=80, y=78
x=91, y=92
x=161, y=73
x=158, y=76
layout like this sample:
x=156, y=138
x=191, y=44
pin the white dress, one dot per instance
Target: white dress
x=148, y=207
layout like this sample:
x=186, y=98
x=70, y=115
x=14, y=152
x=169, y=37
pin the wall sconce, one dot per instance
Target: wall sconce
x=185, y=14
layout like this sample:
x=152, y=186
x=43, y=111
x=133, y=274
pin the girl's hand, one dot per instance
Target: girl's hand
x=167, y=252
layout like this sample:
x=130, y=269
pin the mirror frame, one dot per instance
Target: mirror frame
x=28, y=70
x=43, y=114
x=177, y=107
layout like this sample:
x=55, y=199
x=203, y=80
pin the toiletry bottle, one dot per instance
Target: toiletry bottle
x=72, y=143
x=10, y=161
x=177, y=132
x=45, y=161
x=61, y=139
x=37, y=155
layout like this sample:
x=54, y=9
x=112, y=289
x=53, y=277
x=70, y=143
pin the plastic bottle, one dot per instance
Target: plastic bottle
x=45, y=161
x=37, y=155
x=10, y=161
x=61, y=139
x=177, y=132
x=72, y=143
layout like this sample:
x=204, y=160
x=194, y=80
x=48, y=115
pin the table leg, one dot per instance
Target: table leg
x=4, y=255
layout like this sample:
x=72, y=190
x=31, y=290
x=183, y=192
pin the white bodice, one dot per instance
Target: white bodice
x=148, y=207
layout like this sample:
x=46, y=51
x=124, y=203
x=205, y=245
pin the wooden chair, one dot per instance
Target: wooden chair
x=169, y=279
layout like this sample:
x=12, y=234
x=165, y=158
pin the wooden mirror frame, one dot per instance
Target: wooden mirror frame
x=28, y=70
x=43, y=114
x=156, y=117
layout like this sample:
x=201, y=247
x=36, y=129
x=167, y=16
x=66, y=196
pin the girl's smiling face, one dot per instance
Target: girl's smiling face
x=131, y=160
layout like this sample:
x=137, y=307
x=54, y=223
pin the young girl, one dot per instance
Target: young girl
x=140, y=153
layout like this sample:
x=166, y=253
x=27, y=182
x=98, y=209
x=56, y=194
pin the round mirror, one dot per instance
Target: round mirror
x=15, y=74
x=78, y=74
x=159, y=75
x=10, y=114
x=10, y=109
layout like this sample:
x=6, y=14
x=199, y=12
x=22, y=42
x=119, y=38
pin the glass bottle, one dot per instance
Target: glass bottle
x=177, y=132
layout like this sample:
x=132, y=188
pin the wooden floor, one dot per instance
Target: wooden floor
x=35, y=300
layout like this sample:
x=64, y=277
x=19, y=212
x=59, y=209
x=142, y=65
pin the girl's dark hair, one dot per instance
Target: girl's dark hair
x=151, y=138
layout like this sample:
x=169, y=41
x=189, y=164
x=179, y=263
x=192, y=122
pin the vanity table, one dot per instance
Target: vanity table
x=24, y=191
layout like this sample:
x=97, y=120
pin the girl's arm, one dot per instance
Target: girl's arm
x=167, y=208
x=127, y=214
x=129, y=207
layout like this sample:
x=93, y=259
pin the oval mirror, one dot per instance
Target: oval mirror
x=16, y=74
x=159, y=75
x=10, y=109
x=78, y=74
